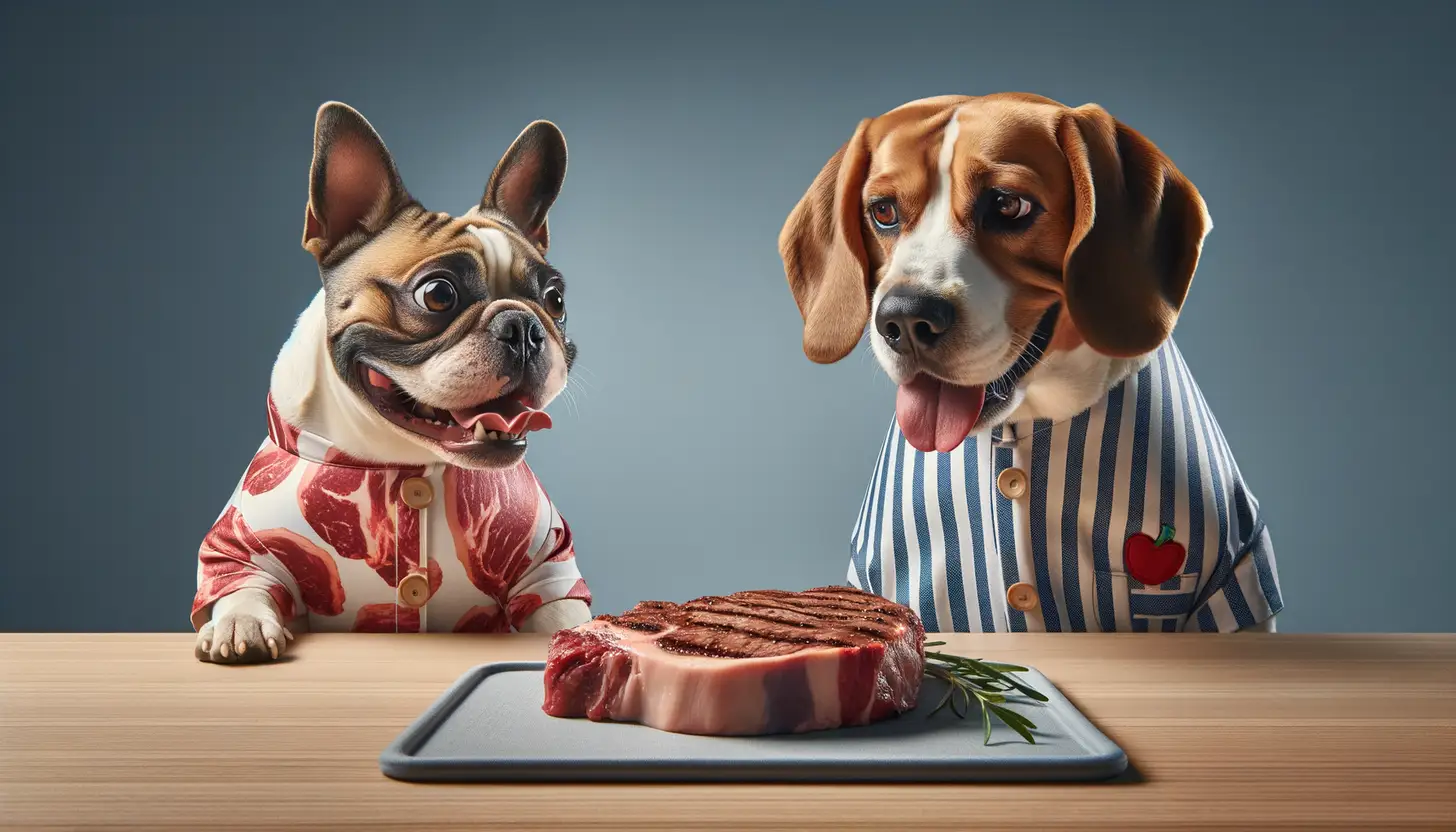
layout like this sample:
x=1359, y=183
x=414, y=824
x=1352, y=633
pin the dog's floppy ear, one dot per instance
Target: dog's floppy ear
x=822, y=245
x=1136, y=237
x=528, y=179
x=353, y=185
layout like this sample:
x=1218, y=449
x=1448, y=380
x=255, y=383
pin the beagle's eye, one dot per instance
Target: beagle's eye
x=436, y=295
x=555, y=302
x=1011, y=206
x=1006, y=211
x=885, y=213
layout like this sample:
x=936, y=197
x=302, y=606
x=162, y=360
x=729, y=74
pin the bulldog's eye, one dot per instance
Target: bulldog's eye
x=555, y=302
x=436, y=295
x=884, y=213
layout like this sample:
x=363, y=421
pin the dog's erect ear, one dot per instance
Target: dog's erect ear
x=528, y=180
x=1136, y=237
x=822, y=245
x=353, y=185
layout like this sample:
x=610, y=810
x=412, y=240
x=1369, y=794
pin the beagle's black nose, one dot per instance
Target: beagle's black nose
x=908, y=318
x=520, y=332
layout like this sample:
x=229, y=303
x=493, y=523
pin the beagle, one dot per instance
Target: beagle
x=1020, y=265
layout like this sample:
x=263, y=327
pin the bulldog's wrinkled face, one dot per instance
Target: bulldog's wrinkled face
x=451, y=329
x=975, y=234
x=454, y=330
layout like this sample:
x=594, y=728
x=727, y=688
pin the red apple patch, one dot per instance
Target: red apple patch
x=1153, y=561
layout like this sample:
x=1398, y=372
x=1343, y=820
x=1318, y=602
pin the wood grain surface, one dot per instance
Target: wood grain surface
x=1236, y=732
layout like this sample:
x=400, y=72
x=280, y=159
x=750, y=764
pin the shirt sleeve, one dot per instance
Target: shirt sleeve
x=229, y=560
x=553, y=575
x=1243, y=591
x=233, y=557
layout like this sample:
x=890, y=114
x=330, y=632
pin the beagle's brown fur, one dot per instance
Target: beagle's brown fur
x=1118, y=243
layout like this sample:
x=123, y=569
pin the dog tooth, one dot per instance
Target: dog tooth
x=492, y=435
x=479, y=432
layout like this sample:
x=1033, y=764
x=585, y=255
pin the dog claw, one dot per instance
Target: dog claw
x=273, y=648
x=223, y=649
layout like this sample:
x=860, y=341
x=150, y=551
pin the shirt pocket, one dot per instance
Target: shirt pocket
x=1155, y=608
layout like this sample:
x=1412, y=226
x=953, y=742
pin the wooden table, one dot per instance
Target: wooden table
x=1239, y=732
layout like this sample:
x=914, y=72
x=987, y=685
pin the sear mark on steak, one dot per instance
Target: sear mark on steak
x=756, y=662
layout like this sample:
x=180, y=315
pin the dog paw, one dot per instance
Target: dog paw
x=242, y=631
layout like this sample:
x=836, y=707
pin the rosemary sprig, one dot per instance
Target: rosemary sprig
x=986, y=683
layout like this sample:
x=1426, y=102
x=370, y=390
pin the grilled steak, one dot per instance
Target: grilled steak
x=759, y=662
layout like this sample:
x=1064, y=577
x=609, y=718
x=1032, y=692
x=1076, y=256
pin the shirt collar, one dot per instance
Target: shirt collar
x=310, y=446
x=1010, y=434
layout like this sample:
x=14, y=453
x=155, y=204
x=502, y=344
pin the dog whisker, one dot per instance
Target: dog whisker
x=582, y=376
x=571, y=399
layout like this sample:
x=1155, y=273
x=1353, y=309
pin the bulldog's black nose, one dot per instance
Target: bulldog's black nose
x=908, y=318
x=520, y=332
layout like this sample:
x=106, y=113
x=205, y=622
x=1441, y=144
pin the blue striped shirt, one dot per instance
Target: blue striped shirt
x=1051, y=511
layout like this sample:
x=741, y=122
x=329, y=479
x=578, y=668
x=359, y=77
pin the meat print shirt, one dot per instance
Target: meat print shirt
x=362, y=547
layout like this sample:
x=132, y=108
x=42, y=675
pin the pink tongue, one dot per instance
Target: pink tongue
x=524, y=421
x=937, y=416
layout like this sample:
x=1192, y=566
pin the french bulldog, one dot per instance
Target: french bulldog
x=391, y=494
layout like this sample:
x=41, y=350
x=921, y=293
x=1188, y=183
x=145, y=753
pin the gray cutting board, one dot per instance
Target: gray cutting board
x=489, y=727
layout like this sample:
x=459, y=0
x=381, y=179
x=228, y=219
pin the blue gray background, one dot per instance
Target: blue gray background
x=155, y=160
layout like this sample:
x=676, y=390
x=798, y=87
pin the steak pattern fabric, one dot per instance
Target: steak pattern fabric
x=331, y=538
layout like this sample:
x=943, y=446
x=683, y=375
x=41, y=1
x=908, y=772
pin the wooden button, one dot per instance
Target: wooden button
x=417, y=492
x=1022, y=596
x=414, y=590
x=1012, y=483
